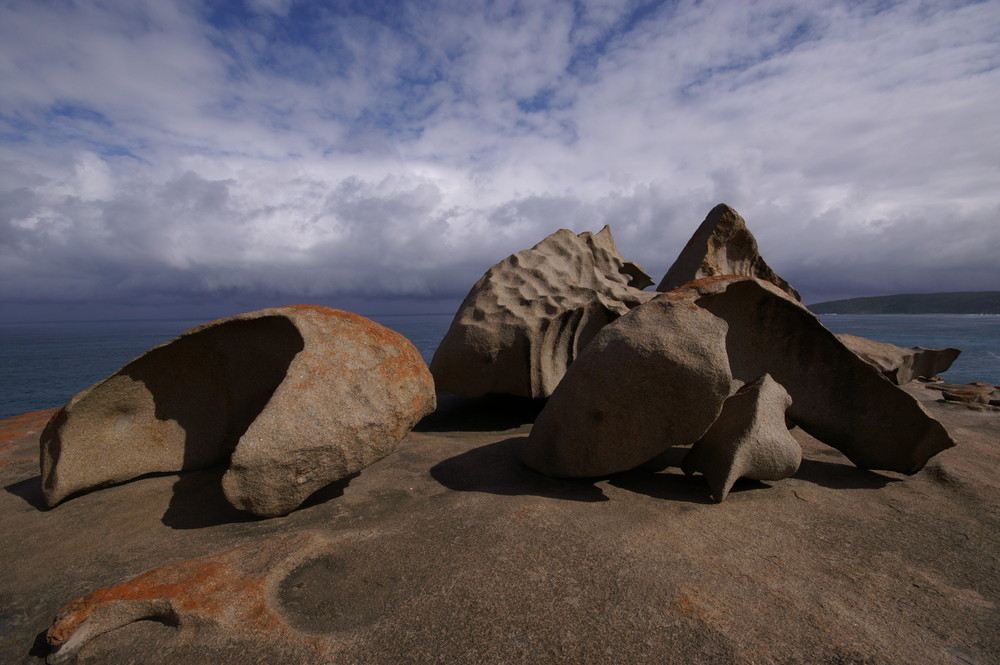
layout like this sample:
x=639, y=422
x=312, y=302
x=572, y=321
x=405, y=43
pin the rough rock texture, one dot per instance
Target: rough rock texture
x=901, y=364
x=528, y=317
x=748, y=440
x=722, y=245
x=293, y=397
x=447, y=547
x=686, y=351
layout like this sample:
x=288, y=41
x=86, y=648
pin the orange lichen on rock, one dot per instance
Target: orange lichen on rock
x=226, y=593
x=23, y=425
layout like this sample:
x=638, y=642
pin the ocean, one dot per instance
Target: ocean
x=42, y=365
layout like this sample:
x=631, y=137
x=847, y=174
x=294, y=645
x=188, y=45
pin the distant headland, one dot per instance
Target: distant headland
x=961, y=302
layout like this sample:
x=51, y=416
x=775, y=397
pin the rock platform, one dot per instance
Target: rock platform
x=448, y=550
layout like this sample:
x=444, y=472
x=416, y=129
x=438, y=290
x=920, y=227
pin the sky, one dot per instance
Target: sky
x=164, y=158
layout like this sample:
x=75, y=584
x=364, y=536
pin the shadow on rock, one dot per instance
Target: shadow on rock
x=495, y=469
x=489, y=413
x=29, y=489
x=198, y=502
x=842, y=476
x=652, y=479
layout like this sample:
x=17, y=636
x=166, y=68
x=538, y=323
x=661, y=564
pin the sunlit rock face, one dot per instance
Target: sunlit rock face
x=528, y=318
x=722, y=245
x=291, y=398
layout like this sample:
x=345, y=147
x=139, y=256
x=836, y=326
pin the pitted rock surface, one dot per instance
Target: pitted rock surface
x=687, y=350
x=291, y=398
x=526, y=320
x=722, y=245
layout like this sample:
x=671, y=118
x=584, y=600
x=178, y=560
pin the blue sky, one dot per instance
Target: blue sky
x=173, y=157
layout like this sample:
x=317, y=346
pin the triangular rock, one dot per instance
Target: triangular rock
x=722, y=245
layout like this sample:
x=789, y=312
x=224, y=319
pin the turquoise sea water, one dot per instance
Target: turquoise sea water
x=42, y=365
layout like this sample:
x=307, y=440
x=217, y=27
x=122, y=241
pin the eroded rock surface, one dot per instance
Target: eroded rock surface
x=212, y=602
x=722, y=245
x=527, y=319
x=293, y=397
x=686, y=351
x=901, y=364
x=748, y=440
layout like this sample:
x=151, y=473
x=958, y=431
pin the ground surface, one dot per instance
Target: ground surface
x=449, y=550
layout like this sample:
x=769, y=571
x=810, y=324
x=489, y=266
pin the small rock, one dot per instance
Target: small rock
x=748, y=440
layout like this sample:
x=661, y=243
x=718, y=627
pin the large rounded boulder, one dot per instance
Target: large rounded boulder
x=291, y=398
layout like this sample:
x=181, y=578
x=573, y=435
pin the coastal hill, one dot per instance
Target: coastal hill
x=960, y=302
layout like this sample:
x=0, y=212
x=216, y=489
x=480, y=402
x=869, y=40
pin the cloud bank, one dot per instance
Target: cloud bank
x=165, y=153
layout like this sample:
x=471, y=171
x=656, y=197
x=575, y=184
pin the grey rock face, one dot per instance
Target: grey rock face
x=293, y=397
x=659, y=376
x=527, y=319
x=901, y=364
x=722, y=245
x=748, y=440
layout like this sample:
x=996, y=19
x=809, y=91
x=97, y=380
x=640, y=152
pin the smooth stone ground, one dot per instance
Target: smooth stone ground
x=454, y=552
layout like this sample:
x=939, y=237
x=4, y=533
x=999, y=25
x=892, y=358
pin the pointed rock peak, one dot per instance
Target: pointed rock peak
x=722, y=245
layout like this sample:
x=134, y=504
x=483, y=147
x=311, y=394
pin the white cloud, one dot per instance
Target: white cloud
x=159, y=148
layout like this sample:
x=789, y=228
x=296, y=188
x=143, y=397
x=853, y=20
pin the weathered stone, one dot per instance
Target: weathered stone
x=748, y=440
x=293, y=397
x=901, y=364
x=214, y=601
x=722, y=245
x=529, y=316
x=684, y=352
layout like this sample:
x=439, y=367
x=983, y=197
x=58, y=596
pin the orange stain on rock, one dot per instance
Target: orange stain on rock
x=23, y=425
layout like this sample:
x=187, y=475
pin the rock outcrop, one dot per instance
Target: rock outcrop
x=748, y=440
x=659, y=376
x=722, y=245
x=901, y=364
x=294, y=398
x=527, y=319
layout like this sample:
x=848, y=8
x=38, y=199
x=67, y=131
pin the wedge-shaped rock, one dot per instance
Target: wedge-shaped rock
x=530, y=315
x=722, y=245
x=748, y=440
x=293, y=398
x=219, y=606
x=901, y=364
x=659, y=375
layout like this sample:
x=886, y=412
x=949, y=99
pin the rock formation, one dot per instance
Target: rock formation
x=530, y=315
x=901, y=364
x=659, y=376
x=748, y=440
x=214, y=603
x=722, y=245
x=293, y=397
